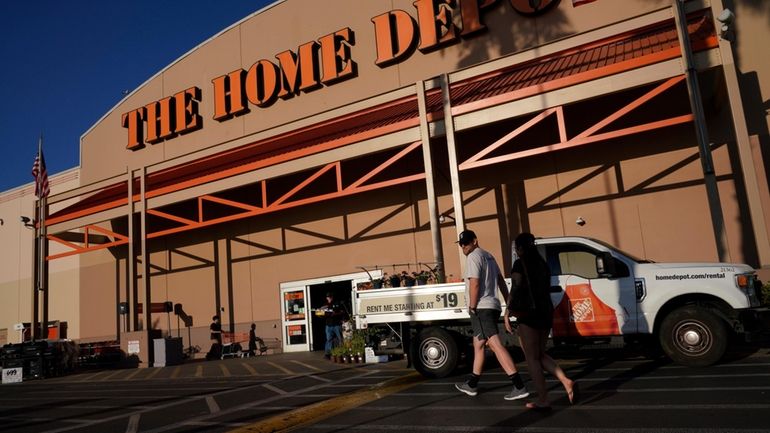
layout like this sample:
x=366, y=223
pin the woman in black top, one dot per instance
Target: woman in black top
x=531, y=271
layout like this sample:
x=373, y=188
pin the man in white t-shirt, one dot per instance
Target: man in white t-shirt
x=482, y=281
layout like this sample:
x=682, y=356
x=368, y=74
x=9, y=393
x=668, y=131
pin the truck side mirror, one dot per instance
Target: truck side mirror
x=605, y=265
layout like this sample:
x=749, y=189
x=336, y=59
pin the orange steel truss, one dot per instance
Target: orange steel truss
x=86, y=246
x=245, y=210
x=285, y=201
x=585, y=137
x=290, y=199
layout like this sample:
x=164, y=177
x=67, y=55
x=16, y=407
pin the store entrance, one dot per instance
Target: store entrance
x=342, y=295
x=303, y=330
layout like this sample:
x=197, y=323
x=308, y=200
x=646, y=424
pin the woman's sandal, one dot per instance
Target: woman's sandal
x=538, y=408
x=574, y=395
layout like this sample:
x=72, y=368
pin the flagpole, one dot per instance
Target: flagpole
x=43, y=282
x=43, y=278
x=41, y=191
x=34, y=329
x=40, y=219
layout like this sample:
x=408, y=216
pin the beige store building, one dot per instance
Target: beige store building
x=315, y=143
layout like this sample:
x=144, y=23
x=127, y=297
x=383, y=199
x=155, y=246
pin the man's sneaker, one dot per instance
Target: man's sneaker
x=517, y=393
x=464, y=387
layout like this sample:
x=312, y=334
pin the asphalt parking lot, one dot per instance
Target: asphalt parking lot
x=198, y=396
x=621, y=392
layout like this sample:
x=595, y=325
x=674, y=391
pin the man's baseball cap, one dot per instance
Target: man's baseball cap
x=466, y=237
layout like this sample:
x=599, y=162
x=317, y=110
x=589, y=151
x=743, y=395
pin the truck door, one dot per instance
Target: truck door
x=586, y=304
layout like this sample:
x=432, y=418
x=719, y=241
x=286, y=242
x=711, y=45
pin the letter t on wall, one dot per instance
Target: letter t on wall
x=133, y=122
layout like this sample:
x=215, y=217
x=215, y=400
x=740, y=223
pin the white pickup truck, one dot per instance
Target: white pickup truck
x=598, y=292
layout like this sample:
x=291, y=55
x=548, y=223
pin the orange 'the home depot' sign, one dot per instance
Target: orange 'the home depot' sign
x=316, y=64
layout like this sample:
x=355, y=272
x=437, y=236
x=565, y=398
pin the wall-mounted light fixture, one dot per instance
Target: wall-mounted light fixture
x=580, y=221
x=27, y=221
x=443, y=218
x=727, y=18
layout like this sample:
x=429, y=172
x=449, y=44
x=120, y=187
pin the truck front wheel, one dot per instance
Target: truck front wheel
x=693, y=336
x=434, y=352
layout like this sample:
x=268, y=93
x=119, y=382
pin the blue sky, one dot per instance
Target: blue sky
x=64, y=64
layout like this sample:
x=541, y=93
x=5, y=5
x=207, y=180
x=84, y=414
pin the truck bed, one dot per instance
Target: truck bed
x=410, y=304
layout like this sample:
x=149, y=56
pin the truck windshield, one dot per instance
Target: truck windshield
x=630, y=256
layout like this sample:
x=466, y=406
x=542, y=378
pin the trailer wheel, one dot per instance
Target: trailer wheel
x=693, y=336
x=434, y=353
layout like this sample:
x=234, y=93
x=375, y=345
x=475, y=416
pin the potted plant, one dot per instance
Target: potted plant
x=407, y=279
x=421, y=277
x=337, y=353
x=395, y=280
x=358, y=344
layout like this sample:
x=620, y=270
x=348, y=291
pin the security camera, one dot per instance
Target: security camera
x=727, y=17
x=580, y=221
x=27, y=221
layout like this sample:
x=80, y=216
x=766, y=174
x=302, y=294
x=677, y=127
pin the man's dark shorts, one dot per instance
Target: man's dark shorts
x=484, y=323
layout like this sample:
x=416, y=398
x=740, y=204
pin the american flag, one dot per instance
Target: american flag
x=39, y=172
x=581, y=2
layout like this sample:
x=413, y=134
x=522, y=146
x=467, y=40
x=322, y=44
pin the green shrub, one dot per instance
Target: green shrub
x=358, y=342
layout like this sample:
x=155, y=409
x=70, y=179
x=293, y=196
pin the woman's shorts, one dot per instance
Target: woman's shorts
x=484, y=323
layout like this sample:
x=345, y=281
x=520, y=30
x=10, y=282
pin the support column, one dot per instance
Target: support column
x=435, y=228
x=750, y=178
x=696, y=103
x=131, y=286
x=223, y=280
x=136, y=342
x=454, y=168
x=145, y=290
x=228, y=258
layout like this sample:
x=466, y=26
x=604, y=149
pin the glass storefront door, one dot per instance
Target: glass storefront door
x=296, y=307
x=294, y=319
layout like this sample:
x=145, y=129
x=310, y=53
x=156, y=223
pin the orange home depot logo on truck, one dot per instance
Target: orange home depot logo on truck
x=582, y=314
